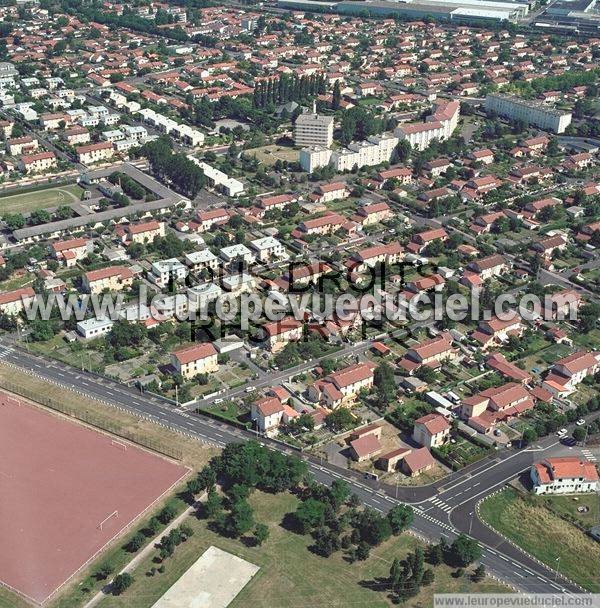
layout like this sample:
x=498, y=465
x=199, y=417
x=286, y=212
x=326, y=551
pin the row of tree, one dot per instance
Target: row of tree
x=176, y=168
x=288, y=88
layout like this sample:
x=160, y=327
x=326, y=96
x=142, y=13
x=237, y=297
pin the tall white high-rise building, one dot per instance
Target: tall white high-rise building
x=313, y=130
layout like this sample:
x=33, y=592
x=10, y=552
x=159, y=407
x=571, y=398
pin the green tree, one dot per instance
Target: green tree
x=309, y=515
x=579, y=433
x=529, y=436
x=240, y=519
x=479, y=573
x=121, y=583
x=400, y=518
x=261, y=534
x=464, y=551
x=339, y=420
x=385, y=383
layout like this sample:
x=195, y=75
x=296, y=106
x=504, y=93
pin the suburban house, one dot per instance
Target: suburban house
x=389, y=461
x=13, y=302
x=37, y=163
x=141, y=232
x=391, y=253
x=194, y=360
x=568, y=372
x=93, y=153
x=365, y=442
x=327, y=224
x=113, y=278
x=566, y=475
x=417, y=462
x=215, y=217
x=71, y=251
x=496, y=331
x=488, y=267
x=330, y=192
x=269, y=412
x=483, y=410
x=278, y=334
x=420, y=241
x=432, y=352
x=499, y=363
x=431, y=430
x=342, y=387
x=372, y=213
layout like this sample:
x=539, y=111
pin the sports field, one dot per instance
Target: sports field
x=40, y=199
x=67, y=491
x=212, y=582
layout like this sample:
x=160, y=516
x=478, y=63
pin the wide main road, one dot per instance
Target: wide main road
x=432, y=504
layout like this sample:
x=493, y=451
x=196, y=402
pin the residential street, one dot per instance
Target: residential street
x=444, y=508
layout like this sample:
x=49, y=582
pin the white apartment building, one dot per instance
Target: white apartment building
x=314, y=157
x=201, y=295
x=374, y=151
x=219, y=180
x=313, y=130
x=529, y=111
x=440, y=125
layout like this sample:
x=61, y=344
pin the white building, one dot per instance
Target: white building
x=219, y=180
x=532, y=112
x=237, y=252
x=314, y=157
x=375, y=150
x=164, y=270
x=94, y=328
x=313, y=130
x=439, y=125
x=268, y=248
x=567, y=475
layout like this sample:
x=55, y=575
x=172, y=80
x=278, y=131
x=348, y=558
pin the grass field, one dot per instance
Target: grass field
x=567, y=506
x=545, y=535
x=289, y=574
x=40, y=199
x=269, y=155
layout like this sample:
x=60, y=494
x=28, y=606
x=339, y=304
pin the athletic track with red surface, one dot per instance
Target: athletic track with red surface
x=58, y=481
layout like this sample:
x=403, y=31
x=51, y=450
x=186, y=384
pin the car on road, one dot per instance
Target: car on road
x=249, y=389
x=580, y=422
x=562, y=432
x=568, y=441
x=217, y=401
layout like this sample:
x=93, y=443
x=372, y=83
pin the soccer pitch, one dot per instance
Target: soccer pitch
x=40, y=199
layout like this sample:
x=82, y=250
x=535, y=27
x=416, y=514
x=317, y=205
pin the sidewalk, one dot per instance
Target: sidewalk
x=146, y=551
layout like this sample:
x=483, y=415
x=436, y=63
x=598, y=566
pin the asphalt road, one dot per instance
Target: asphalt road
x=444, y=508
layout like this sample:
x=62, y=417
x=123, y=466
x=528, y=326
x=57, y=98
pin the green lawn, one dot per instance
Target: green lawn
x=10, y=600
x=290, y=575
x=543, y=534
x=40, y=199
x=567, y=506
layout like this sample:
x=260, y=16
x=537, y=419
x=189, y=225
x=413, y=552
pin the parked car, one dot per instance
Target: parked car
x=580, y=422
x=562, y=432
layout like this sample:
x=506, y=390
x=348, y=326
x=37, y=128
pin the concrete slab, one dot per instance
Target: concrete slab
x=212, y=581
